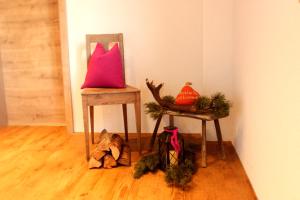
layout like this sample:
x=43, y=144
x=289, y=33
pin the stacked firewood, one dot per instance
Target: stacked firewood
x=110, y=151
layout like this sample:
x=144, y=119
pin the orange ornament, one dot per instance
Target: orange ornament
x=187, y=96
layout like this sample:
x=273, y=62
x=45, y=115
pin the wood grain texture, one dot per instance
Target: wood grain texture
x=65, y=64
x=124, y=108
x=207, y=117
x=3, y=112
x=155, y=132
x=220, y=138
x=92, y=123
x=31, y=61
x=128, y=89
x=47, y=163
x=138, y=119
x=203, y=145
x=85, y=112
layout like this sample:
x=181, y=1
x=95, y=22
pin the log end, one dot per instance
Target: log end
x=93, y=163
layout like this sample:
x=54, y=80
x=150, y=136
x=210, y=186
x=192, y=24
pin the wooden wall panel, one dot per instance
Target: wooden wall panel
x=65, y=64
x=3, y=114
x=31, y=61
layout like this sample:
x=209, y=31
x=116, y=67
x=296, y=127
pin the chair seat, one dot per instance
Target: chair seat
x=207, y=117
x=91, y=91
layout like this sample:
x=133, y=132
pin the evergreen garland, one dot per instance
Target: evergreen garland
x=217, y=104
x=178, y=176
x=169, y=99
x=181, y=175
x=153, y=109
x=203, y=103
x=145, y=164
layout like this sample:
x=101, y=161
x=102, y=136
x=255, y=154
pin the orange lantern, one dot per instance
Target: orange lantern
x=187, y=96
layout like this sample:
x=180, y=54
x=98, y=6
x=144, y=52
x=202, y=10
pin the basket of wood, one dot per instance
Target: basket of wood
x=110, y=151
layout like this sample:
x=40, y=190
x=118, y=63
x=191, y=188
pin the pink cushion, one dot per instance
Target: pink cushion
x=99, y=50
x=105, y=69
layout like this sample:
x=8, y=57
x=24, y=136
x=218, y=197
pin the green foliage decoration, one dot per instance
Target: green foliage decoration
x=178, y=176
x=217, y=104
x=203, y=102
x=181, y=175
x=169, y=99
x=145, y=164
x=153, y=109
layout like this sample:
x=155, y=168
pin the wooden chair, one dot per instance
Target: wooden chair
x=106, y=96
x=204, y=119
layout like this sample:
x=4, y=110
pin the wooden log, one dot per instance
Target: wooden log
x=109, y=161
x=104, y=141
x=93, y=163
x=116, y=145
x=125, y=157
x=98, y=154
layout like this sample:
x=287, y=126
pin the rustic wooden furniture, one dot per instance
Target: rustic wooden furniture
x=106, y=96
x=204, y=118
x=31, y=66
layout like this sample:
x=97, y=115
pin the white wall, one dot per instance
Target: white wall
x=175, y=41
x=267, y=99
x=217, y=55
x=163, y=41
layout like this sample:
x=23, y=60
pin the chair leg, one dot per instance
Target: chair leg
x=220, y=140
x=124, y=106
x=137, y=106
x=203, y=148
x=86, y=127
x=92, y=123
x=155, y=132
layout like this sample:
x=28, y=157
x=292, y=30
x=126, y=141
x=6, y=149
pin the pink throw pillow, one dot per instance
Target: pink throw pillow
x=105, y=69
x=99, y=50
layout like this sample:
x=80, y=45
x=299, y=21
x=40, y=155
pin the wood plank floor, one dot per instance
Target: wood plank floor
x=47, y=163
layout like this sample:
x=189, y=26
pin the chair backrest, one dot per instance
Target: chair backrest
x=107, y=40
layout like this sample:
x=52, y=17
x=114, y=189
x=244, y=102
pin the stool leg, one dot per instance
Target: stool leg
x=124, y=106
x=155, y=132
x=92, y=123
x=171, y=121
x=203, y=147
x=219, y=136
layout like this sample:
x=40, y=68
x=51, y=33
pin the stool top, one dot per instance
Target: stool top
x=206, y=117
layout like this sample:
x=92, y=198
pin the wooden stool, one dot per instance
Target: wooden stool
x=204, y=119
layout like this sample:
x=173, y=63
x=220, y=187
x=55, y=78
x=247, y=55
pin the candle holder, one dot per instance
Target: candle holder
x=170, y=148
